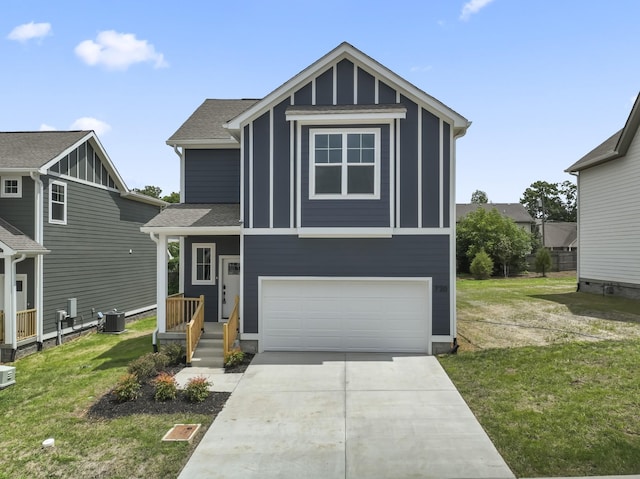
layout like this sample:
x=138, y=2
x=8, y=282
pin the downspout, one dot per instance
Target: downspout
x=39, y=260
x=180, y=154
x=154, y=336
x=13, y=300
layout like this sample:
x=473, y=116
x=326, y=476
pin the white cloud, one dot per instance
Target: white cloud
x=24, y=33
x=45, y=127
x=473, y=7
x=118, y=51
x=88, y=123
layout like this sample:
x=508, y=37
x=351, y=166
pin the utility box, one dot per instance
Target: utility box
x=72, y=307
x=114, y=322
x=7, y=376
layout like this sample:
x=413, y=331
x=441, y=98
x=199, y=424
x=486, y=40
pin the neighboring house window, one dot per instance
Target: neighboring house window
x=11, y=187
x=203, y=257
x=344, y=164
x=58, y=203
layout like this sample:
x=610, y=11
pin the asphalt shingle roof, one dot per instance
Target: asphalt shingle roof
x=32, y=149
x=560, y=234
x=17, y=240
x=516, y=211
x=206, y=122
x=197, y=215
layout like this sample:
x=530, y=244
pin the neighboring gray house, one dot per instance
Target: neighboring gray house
x=516, y=211
x=69, y=228
x=559, y=235
x=608, y=213
x=327, y=206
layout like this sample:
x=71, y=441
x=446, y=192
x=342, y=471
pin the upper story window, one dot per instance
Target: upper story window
x=11, y=187
x=344, y=164
x=203, y=260
x=58, y=203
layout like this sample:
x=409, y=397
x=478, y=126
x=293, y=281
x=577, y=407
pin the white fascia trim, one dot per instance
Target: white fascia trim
x=344, y=117
x=268, y=232
x=6, y=251
x=271, y=142
x=441, y=166
x=423, y=231
x=193, y=231
x=292, y=167
x=250, y=176
x=345, y=232
x=420, y=160
x=205, y=144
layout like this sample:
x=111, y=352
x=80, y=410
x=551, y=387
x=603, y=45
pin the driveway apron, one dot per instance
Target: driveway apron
x=345, y=415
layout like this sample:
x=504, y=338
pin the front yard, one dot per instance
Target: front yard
x=551, y=374
x=53, y=391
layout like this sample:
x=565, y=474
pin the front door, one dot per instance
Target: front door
x=21, y=292
x=230, y=284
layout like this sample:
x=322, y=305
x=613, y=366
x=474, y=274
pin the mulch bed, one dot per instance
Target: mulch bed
x=108, y=408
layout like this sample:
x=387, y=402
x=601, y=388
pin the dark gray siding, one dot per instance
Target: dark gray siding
x=411, y=256
x=212, y=176
x=366, y=88
x=409, y=166
x=20, y=211
x=324, y=88
x=261, y=142
x=225, y=245
x=386, y=94
x=446, y=172
x=281, y=167
x=345, y=82
x=346, y=213
x=90, y=256
x=430, y=170
x=304, y=95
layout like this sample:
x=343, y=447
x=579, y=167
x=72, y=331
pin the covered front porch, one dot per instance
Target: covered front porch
x=209, y=275
x=20, y=290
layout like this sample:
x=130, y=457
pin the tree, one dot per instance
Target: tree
x=479, y=197
x=481, y=266
x=172, y=198
x=543, y=261
x=505, y=242
x=153, y=191
x=551, y=201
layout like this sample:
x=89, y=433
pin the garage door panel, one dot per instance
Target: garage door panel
x=344, y=314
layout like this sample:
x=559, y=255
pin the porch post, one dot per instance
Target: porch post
x=6, y=307
x=161, y=282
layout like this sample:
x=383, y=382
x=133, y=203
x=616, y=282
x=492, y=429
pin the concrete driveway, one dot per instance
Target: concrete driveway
x=345, y=415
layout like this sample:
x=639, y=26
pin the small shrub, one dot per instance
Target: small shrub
x=127, y=389
x=166, y=387
x=148, y=365
x=543, y=261
x=233, y=358
x=197, y=389
x=175, y=352
x=481, y=266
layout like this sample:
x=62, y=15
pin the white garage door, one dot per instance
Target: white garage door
x=345, y=314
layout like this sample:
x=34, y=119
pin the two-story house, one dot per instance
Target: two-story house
x=71, y=249
x=327, y=207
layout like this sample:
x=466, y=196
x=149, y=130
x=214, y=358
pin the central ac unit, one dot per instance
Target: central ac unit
x=7, y=376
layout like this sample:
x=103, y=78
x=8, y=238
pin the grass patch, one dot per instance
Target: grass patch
x=53, y=391
x=563, y=410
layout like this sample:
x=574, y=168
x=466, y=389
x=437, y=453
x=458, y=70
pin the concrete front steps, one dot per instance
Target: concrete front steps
x=209, y=352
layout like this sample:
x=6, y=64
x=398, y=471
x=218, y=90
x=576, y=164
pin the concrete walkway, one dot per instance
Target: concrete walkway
x=353, y=415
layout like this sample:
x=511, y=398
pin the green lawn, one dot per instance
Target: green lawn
x=53, y=390
x=557, y=410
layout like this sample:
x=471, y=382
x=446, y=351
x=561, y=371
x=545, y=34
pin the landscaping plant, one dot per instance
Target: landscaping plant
x=166, y=387
x=233, y=358
x=481, y=266
x=148, y=365
x=197, y=389
x=127, y=389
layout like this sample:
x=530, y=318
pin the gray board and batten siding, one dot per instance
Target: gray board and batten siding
x=100, y=256
x=224, y=245
x=424, y=155
x=212, y=176
x=399, y=256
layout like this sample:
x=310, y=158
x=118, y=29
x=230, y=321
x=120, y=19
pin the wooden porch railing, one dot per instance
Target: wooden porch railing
x=26, y=324
x=180, y=310
x=230, y=329
x=195, y=327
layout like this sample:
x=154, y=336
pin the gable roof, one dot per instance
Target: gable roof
x=613, y=147
x=37, y=151
x=205, y=124
x=342, y=51
x=516, y=211
x=560, y=234
x=34, y=149
x=14, y=241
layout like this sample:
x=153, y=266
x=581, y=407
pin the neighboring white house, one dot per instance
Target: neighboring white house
x=608, y=213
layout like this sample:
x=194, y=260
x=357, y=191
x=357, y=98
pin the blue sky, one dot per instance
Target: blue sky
x=543, y=82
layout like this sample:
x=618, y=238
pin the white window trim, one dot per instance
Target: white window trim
x=66, y=201
x=344, y=196
x=194, y=258
x=3, y=194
